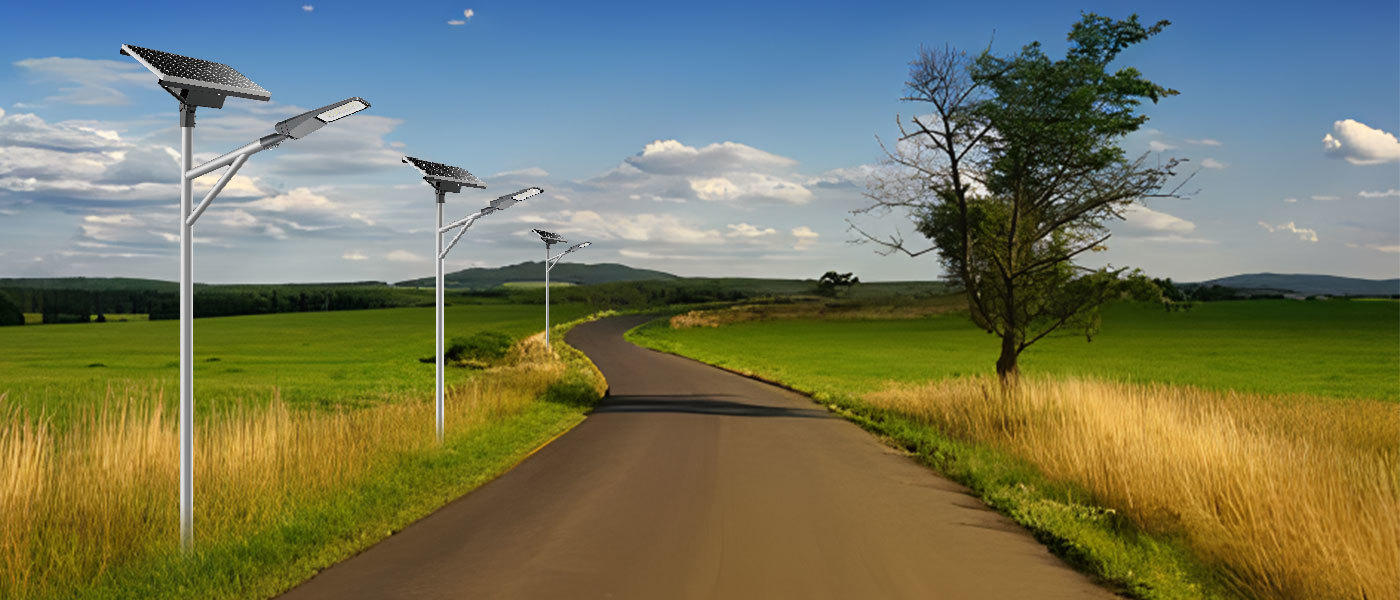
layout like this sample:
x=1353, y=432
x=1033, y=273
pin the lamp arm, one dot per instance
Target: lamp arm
x=218, y=187
x=465, y=224
x=263, y=143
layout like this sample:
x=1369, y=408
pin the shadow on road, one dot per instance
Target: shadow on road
x=700, y=404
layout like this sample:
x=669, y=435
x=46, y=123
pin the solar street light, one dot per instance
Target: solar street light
x=550, y=238
x=444, y=179
x=195, y=83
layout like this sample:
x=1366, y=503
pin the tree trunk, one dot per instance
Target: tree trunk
x=1006, y=363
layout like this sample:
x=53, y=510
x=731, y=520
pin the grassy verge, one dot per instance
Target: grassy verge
x=1161, y=491
x=88, y=511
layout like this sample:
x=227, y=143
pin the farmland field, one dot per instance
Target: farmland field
x=1340, y=349
x=341, y=358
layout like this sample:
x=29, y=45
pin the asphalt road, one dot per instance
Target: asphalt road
x=690, y=482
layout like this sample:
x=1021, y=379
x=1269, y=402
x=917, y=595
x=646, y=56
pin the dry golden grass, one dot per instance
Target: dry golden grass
x=1288, y=497
x=102, y=492
x=820, y=309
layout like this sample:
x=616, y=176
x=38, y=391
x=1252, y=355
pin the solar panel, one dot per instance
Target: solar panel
x=549, y=237
x=183, y=72
x=433, y=171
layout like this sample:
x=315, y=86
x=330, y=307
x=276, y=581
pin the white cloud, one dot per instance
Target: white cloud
x=1204, y=142
x=1290, y=200
x=1211, y=163
x=1146, y=225
x=456, y=22
x=354, y=255
x=1360, y=144
x=805, y=237
x=740, y=186
x=297, y=200
x=673, y=157
x=1144, y=219
x=1308, y=235
x=469, y=13
x=1326, y=198
x=745, y=230
x=1390, y=193
x=361, y=218
x=404, y=256
x=85, y=80
x=122, y=219
x=534, y=172
x=308, y=7
x=1159, y=146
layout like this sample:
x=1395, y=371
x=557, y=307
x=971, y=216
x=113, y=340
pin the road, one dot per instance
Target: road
x=691, y=482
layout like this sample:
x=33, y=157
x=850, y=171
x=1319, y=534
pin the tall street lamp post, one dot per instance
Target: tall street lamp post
x=195, y=83
x=550, y=239
x=446, y=179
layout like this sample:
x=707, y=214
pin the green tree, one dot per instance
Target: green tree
x=831, y=283
x=1012, y=169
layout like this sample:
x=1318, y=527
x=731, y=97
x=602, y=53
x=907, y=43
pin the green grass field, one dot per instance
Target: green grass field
x=1341, y=349
x=324, y=358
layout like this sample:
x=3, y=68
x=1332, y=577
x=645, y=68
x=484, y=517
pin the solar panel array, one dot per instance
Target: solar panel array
x=445, y=172
x=176, y=70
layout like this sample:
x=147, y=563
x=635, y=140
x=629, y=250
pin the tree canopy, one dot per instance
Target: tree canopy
x=1013, y=168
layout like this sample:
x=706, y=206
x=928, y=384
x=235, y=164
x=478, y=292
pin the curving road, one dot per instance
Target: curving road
x=691, y=482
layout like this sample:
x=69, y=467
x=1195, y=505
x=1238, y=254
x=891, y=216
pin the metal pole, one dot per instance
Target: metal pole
x=437, y=254
x=546, y=296
x=186, y=331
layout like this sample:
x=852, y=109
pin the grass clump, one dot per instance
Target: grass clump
x=89, y=509
x=1286, y=497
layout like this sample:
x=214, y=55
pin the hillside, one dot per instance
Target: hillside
x=1309, y=284
x=576, y=273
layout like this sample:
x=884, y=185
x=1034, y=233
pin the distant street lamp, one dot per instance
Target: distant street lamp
x=194, y=83
x=551, y=239
x=444, y=179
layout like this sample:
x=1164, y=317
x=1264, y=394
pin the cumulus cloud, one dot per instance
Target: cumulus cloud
x=1211, y=163
x=1145, y=224
x=739, y=186
x=1204, y=142
x=1159, y=146
x=727, y=172
x=308, y=7
x=1326, y=198
x=1390, y=193
x=673, y=157
x=1360, y=144
x=404, y=256
x=805, y=237
x=745, y=230
x=645, y=227
x=1307, y=235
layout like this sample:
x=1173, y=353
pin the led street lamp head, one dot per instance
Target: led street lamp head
x=196, y=82
x=509, y=200
x=445, y=178
x=578, y=246
x=303, y=124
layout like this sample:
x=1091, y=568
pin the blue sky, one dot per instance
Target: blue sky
x=728, y=139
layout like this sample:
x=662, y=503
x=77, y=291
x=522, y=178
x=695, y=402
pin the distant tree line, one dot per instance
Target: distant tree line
x=79, y=306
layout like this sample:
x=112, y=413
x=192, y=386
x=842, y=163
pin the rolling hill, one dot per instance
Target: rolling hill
x=1310, y=285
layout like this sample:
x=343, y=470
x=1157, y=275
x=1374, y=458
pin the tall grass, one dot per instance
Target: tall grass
x=1289, y=497
x=101, y=492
